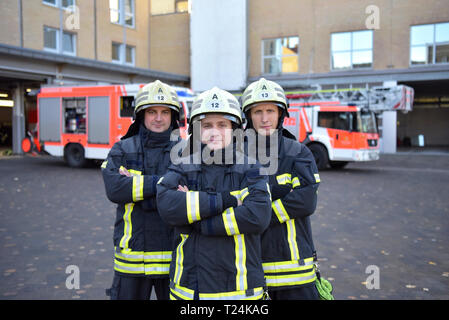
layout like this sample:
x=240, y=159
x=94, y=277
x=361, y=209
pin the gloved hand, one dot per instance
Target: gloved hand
x=279, y=191
x=228, y=200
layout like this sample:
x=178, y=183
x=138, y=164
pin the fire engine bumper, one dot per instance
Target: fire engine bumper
x=366, y=155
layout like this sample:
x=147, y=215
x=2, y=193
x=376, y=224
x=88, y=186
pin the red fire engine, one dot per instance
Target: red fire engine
x=81, y=123
x=339, y=126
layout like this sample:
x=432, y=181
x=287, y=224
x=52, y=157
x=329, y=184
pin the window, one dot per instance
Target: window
x=60, y=3
x=123, y=54
x=50, y=2
x=122, y=12
x=59, y=43
x=51, y=38
x=169, y=6
x=334, y=120
x=352, y=50
x=429, y=44
x=126, y=106
x=280, y=55
x=74, y=115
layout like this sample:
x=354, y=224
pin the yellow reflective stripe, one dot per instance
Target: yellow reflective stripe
x=179, y=259
x=233, y=295
x=280, y=211
x=287, y=266
x=104, y=164
x=142, y=268
x=244, y=193
x=137, y=188
x=240, y=262
x=128, y=228
x=291, y=238
x=135, y=256
x=193, y=206
x=132, y=171
x=284, y=178
x=230, y=223
x=295, y=182
x=179, y=292
x=128, y=267
x=290, y=280
x=240, y=194
x=317, y=178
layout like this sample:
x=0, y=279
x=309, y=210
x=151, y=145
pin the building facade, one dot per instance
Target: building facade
x=80, y=42
x=203, y=43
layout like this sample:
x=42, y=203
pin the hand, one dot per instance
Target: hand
x=124, y=172
x=183, y=188
x=239, y=202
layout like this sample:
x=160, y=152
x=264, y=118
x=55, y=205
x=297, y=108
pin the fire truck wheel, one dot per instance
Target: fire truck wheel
x=320, y=154
x=338, y=164
x=74, y=155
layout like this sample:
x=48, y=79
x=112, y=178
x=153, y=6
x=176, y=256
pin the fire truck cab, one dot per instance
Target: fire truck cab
x=336, y=134
x=81, y=123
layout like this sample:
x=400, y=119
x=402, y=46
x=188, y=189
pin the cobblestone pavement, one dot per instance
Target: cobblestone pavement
x=388, y=218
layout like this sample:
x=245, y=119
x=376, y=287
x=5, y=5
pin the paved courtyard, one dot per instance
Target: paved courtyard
x=383, y=225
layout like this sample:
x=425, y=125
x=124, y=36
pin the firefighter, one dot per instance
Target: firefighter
x=219, y=208
x=143, y=242
x=287, y=247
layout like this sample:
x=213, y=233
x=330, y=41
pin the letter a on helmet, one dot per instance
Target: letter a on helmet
x=157, y=93
x=263, y=90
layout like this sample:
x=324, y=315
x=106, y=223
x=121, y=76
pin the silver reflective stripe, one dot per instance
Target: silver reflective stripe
x=289, y=266
x=157, y=268
x=128, y=268
x=181, y=292
x=291, y=238
x=291, y=279
x=243, y=194
x=137, y=188
x=230, y=223
x=193, y=203
x=240, y=262
x=157, y=256
x=280, y=211
x=143, y=256
x=128, y=225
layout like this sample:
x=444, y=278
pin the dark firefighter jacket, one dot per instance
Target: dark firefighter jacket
x=217, y=253
x=287, y=246
x=143, y=242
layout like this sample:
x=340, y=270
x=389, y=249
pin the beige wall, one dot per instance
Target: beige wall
x=36, y=15
x=170, y=43
x=314, y=20
x=9, y=23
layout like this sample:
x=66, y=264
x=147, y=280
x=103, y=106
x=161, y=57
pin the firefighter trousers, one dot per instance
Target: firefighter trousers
x=307, y=292
x=138, y=288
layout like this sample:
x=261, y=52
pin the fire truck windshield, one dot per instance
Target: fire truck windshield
x=366, y=122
